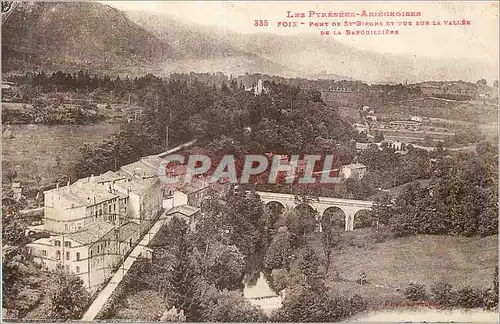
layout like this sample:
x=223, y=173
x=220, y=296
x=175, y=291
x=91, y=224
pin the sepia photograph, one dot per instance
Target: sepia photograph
x=250, y=161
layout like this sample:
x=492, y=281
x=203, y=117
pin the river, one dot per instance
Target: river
x=260, y=294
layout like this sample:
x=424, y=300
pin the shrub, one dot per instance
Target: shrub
x=469, y=297
x=358, y=304
x=280, y=279
x=415, y=292
x=443, y=294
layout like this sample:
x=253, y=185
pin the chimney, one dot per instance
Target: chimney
x=91, y=178
x=57, y=185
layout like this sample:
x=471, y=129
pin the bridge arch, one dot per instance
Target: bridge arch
x=306, y=210
x=334, y=216
x=275, y=207
x=362, y=219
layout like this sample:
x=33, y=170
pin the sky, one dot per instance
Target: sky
x=479, y=40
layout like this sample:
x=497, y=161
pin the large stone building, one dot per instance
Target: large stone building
x=96, y=221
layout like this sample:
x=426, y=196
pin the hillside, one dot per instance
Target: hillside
x=100, y=38
x=306, y=55
x=425, y=259
x=73, y=35
x=204, y=49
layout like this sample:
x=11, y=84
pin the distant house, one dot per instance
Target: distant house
x=405, y=124
x=362, y=147
x=360, y=127
x=195, y=191
x=416, y=118
x=368, y=109
x=7, y=85
x=352, y=171
x=189, y=213
x=16, y=188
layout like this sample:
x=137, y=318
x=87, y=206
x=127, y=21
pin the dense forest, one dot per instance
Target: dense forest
x=226, y=119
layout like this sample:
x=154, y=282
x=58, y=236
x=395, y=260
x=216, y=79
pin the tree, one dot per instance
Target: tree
x=13, y=226
x=280, y=279
x=20, y=278
x=316, y=304
x=182, y=272
x=493, y=291
x=362, y=137
x=280, y=251
x=8, y=171
x=330, y=238
x=482, y=82
x=379, y=137
x=224, y=266
x=70, y=298
x=300, y=221
x=244, y=213
x=172, y=315
x=442, y=292
x=309, y=264
x=415, y=292
x=231, y=306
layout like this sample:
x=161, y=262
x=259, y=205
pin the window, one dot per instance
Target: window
x=90, y=253
x=66, y=267
x=44, y=253
x=57, y=243
x=77, y=256
x=66, y=227
x=98, y=249
x=67, y=244
x=77, y=269
x=67, y=255
x=58, y=255
x=110, y=209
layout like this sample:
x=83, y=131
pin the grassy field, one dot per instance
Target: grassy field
x=34, y=148
x=390, y=266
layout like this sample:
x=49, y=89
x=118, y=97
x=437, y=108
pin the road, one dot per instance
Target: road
x=103, y=296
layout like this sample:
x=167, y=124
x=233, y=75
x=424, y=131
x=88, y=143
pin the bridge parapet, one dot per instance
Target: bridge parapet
x=348, y=206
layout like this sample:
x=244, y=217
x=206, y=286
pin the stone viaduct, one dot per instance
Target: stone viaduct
x=349, y=207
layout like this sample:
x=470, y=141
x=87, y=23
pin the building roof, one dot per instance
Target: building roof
x=139, y=169
x=135, y=185
x=92, y=232
x=84, y=194
x=354, y=166
x=184, y=210
x=108, y=176
x=194, y=186
x=153, y=161
x=177, y=170
x=127, y=230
